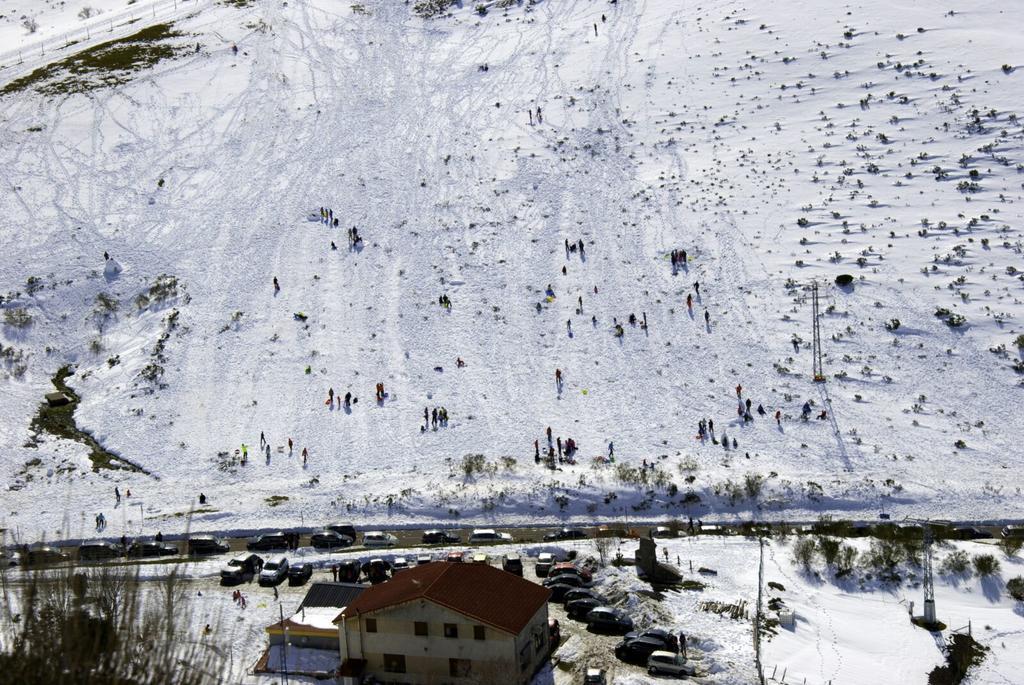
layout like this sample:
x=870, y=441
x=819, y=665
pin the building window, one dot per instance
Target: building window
x=371, y=625
x=420, y=628
x=451, y=630
x=459, y=668
x=479, y=633
x=394, y=663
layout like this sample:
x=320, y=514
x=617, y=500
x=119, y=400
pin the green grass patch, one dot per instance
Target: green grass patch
x=108, y=64
x=60, y=422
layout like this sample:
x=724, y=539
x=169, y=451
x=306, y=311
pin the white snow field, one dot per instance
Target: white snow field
x=777, y=143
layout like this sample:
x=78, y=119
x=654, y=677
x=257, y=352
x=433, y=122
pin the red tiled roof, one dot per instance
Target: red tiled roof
x=479, y=591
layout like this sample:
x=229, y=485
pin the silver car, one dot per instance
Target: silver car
x=667, y=663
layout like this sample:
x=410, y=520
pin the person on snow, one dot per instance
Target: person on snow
x=330, y=396
x=559, y=442
x=277, y=286
x=632, y=319
x=581, y=247
x=707, y=317
x=739, y=390
x=689, y=301
x=117, y=495
x=549, y=435
x=760, y=409
x=289, y=445
x=348, y=400
x=611, y=450
x=696, y=287
x=305, y=456
x=558, y=377
x=618, y=330
x=580, y=301
x=806, y=411
x=536, y=451
x=778, y=417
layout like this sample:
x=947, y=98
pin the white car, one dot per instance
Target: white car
x=378, y=538
x=484, y=535
x=668, y=663
x=274, y=571
x=545, y=560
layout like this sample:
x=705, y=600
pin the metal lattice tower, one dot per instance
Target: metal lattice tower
x=819, y=373
x=929, y=587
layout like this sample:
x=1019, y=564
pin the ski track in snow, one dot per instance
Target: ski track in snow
x=646, y=146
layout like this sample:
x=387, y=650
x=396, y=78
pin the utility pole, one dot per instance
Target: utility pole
x=819, y=373
x=284, y=645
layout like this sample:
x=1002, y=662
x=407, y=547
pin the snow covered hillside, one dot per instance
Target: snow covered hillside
x=778, y=144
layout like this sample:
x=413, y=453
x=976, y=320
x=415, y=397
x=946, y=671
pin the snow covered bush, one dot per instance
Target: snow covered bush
x=1019, y=341
x=1015, y=586
x=985, y=565
x=804, y=553
x=18, y=317
x=956, y=563
x=1010, y=546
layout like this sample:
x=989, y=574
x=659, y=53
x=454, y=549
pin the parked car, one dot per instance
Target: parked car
x=298, y=574
x=970, y=533
x=479, y=558
x=565, y=534
x=440, y=537
x=329, y=539
x=668, y=663
x=377, y=570
x=595, y=676
x=267, y=542
x=607, y=619
x=582, y=592
x=636, y=650
x=44, y=555
x=399, y=563
x=662, y=532
x=274, y=571
x=346, y=529
x=545, y=560
x=1014, y=530
x=512, y=563
x=377, y=538
x=240, y=569
x=349, y=570
x=581, y=606
x=424, y=559
x=99, y=550
x=554, y=634
x=569, y=579
x=487, y=535
x=569, y=568
x=151, y=548
x=206, y=544
x=455, y=557
x=558, y=591
x=669, y=642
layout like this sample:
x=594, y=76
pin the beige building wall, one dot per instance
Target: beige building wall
x=498, y=658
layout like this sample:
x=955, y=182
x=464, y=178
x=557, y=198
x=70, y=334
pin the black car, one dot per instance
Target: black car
x=558, y=591
x=346, y=529
x=609, y=620
x=566, y=534
x=970, y=533
x=349, y=570
x=636, y=650
x=100, y=551
x=267, y=542
x=43, y=555
x=579, y=608
x=298, y=574
x=440, y=537
x=669, y=642
x=151, y=548
x=584, y=592
x=206, y=544
x=564, y=579
x=329, y=539
x=242, y=568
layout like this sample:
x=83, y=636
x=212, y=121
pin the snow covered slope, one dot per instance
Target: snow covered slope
x=777, y=145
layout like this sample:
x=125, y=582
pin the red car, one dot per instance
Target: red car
x=569, y=568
